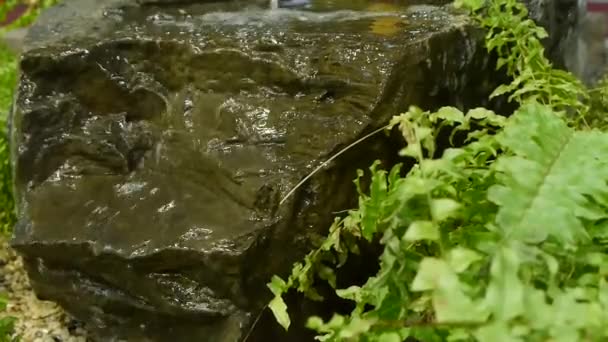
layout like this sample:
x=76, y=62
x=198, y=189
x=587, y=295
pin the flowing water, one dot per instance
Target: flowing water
x=357, y=5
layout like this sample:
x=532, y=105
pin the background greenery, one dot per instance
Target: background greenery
x=8, y=79
x=8, y=76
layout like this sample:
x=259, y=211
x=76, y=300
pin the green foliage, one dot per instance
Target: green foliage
x=8, y=67
x=7, y=324
x=502, y=239
x=8, y=75
x=517, y=41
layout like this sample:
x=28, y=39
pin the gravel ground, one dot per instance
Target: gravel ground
x=37, y=321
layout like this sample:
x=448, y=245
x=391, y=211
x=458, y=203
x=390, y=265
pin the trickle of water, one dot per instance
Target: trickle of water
x=337, y=5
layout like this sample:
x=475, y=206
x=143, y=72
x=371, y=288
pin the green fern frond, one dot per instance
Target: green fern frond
x=551, y=179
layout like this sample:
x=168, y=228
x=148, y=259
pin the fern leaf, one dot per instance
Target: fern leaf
x=552, y=176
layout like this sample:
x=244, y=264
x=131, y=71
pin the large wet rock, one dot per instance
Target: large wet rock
x=152, y=146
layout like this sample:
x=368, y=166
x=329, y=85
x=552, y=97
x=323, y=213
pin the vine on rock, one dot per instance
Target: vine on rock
x=502, y=239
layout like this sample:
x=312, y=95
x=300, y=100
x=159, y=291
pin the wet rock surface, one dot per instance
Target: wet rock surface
x=152, y=144
x=588, y=55
x=560, y=18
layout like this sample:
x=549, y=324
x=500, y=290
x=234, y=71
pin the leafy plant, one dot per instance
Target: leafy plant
x=517, y=41
x=502, y=239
